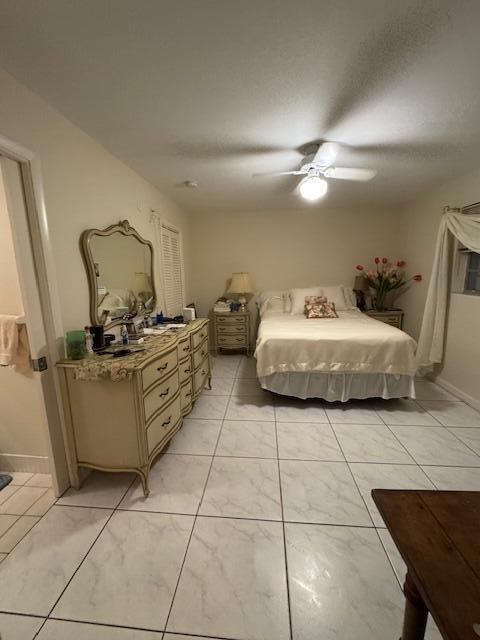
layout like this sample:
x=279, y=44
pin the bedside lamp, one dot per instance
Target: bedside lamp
x=360, y=287
x=241, y=284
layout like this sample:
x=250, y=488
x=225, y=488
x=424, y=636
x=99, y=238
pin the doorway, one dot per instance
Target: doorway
x=31, y=435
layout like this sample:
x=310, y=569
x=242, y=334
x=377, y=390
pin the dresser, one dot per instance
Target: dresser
x=232, y=331
x=393, y=317
x=120, y=413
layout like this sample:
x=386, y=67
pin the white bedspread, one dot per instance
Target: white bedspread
x=352, y=343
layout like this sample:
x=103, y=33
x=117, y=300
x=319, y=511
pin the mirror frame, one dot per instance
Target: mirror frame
x=123, y=227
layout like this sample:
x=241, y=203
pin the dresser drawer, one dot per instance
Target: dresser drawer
x=199, y=336
x=184, y=370
x=232, y=340
x=184, y=348
x=159, y=369
x=160, y=395
x=200, y=377
x=395, y=321
x=232, y=329
x=231, y=320
x=163, y=423
x=186, y=396
x=199, y=354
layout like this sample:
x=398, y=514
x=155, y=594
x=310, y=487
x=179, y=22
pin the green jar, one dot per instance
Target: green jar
x=76, y=345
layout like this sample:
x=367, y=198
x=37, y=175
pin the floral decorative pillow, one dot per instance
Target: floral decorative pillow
x=319, y=307
x=315, y=300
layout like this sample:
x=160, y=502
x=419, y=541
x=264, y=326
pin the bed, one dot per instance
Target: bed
x=337, y=359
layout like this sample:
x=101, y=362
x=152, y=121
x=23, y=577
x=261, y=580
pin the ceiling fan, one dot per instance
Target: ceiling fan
x=317, y=165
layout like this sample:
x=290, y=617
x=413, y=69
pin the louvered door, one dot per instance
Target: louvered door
x=172, y=270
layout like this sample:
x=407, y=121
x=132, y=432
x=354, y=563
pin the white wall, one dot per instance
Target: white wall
x=419, y=225
x=287, y=249
x=85, y=186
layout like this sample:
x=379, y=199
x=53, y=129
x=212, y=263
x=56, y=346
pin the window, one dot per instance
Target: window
x=472, y=280
x=466, y=264
x=172, y=270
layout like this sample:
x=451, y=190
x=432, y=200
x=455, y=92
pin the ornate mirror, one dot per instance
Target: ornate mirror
x=119, y=265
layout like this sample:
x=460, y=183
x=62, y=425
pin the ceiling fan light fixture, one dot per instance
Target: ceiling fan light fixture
x=313, y=188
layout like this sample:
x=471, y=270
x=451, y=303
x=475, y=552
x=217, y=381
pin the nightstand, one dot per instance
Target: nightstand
x=389, y=316
x=232, y=331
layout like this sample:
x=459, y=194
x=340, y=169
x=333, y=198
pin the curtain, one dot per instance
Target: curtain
x=466, y=228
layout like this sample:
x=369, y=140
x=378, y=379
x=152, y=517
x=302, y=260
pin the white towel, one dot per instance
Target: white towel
x=14, y=348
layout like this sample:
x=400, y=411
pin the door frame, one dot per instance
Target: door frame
x=47, y=287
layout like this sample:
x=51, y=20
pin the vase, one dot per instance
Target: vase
x=380, y=301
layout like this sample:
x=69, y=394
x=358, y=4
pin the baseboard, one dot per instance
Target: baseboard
x=18, y=462
x=473, y=402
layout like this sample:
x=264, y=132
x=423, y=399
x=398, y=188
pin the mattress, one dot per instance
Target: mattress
x=352, y=356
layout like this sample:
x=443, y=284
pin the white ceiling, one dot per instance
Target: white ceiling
x=215, y=90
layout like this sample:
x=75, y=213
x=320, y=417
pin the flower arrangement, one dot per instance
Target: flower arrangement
x=386, y=277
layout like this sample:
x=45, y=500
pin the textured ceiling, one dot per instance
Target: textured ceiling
x=215, y=90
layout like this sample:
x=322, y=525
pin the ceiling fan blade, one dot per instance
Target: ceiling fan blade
x=326, y=154
x=344, y=173
x=279, y=173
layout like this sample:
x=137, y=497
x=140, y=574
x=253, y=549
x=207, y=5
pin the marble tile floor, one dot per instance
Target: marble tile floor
x=259, y=525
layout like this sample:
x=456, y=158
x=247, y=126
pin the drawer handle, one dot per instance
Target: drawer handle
x=188, y=394
x=165, y=393
x=203, y=353
x=203, y=373
x=238, y=319
x=187, y=348
x=239, y=329
x=167, y=422
x=162, y=368
x=239, y=339
x=187, y=370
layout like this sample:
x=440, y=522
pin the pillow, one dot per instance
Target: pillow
x=315, y=300
x=336, y=295
x=287, y=302
x=275, y=303
x=297, y=297
x=350, y=297
x=270, y=301
x=320, y=310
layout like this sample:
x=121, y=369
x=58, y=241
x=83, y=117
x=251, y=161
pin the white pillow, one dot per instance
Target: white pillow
x=270, y=301
x=297, y=298
x=350, y=298
x=287, y=302
x=337, y=296
x=271, y=304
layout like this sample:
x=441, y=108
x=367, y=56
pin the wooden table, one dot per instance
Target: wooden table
x=438, y=536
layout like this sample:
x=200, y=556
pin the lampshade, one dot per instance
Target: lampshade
x=240, y=283
x=141, y=282
x=360, y=284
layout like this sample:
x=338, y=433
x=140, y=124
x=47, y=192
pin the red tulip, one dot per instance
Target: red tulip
x=384, y=260
x=418, y=277
x=359, y=267
x=401, y=263
x=377, y=260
